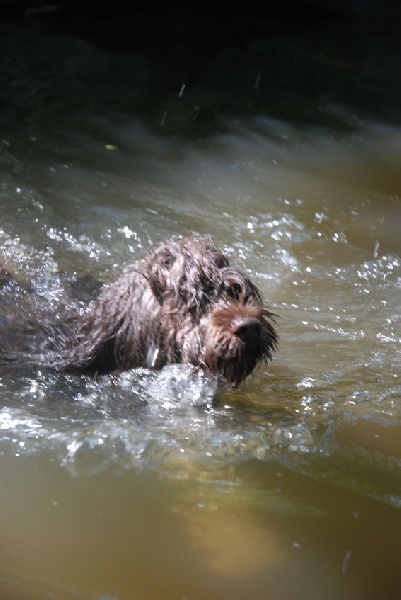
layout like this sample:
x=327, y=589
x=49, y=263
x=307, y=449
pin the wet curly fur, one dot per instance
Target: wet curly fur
x=183, y=303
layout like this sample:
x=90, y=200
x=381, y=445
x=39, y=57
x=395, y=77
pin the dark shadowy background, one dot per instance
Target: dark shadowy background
x=120, y=25
x=301, y=44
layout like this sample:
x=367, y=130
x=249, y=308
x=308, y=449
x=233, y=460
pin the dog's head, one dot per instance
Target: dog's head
x=211, y=314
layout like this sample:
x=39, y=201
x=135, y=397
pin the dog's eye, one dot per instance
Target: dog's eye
x=234, y=290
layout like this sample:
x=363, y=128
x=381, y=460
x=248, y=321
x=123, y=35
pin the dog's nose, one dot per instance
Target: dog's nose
x=247, y=329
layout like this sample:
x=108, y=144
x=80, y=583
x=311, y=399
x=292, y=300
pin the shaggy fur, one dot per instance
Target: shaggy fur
x=183, y=303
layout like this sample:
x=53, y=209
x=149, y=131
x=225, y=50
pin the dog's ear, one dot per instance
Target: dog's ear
x=157, y=287
x=158, y=272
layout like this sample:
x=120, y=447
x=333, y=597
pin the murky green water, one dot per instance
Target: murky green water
x=159, y=485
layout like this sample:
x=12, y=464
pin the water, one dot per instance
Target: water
x=162, y=485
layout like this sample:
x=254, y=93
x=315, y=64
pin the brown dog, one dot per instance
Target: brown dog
x=183, y=303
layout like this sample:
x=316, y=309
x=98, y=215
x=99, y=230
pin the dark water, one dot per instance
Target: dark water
x=160, y=485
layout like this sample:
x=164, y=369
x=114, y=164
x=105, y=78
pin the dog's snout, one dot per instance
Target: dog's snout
x=247, y=329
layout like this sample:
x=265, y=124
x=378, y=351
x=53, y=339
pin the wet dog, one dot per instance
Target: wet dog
x=183, y=303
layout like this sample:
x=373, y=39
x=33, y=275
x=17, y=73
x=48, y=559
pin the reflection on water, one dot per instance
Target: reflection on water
x=162, y=484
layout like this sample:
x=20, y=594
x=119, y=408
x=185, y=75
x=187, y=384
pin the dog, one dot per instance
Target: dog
x=182, y=303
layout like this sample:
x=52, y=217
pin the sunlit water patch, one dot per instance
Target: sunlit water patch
x=143, y=420
x=323, y=252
